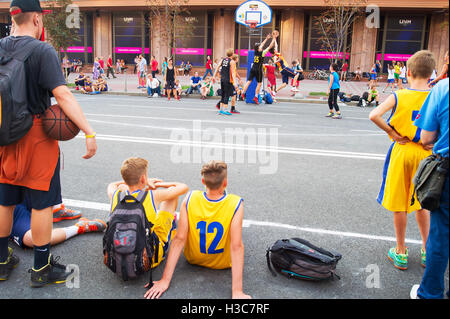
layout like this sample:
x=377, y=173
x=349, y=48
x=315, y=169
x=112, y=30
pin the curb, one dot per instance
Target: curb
x=288, y=100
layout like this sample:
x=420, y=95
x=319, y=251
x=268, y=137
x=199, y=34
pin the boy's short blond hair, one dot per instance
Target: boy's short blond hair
x=421, y=64
x=230, y=53
x=132, y=169
x=214, y=174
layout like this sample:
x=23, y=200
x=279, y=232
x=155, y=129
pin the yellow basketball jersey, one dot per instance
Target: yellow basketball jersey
x=149, y=206
x=208, y=242
x=407, y=106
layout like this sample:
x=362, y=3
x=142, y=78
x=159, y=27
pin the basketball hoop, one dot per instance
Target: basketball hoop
x=251, y=24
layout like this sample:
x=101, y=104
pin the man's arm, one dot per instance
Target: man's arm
x=216, y=71
x=233, y=71
x=428, y=138
x=261, y=46
x=72, y=109
x=237, y=255
x=114, y=186
x=376, y=116
x=168, y=191
x=176, y=247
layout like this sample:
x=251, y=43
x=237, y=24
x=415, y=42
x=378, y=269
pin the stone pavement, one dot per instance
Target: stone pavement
x=127, y=84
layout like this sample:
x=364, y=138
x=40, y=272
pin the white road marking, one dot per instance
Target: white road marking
x=262, y=148
x=248, y=223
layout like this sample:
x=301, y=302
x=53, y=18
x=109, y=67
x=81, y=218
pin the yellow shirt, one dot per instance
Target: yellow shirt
x=208, y=242
x=407, y=106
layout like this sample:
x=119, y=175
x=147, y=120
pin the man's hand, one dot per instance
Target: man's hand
x=402, y=140
x=240, y=295
x=91, y=147
x=164, y=184
x=158, y=288
x=428, y=147
x=152, y=183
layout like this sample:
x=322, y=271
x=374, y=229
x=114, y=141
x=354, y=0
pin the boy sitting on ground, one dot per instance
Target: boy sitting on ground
x=209, y=230
x=373, y=95
x=160, y=202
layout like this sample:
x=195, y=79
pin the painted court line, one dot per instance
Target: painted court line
x=245, y=147
x=248, y=223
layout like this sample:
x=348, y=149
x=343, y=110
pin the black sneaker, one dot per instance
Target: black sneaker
x=7, y=267
x=52, y=273
x=233, y=110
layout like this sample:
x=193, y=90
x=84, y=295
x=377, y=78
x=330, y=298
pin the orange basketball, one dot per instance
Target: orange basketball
x=57, y=125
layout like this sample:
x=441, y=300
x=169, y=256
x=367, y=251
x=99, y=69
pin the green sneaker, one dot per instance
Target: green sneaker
x=424, y=257
x=400, y=261
x=330, y=114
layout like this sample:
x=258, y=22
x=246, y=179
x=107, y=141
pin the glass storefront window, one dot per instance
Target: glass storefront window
x=82, y=48
x=247, y=38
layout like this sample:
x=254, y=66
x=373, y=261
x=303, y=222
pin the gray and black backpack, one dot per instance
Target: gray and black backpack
x=15, y=117
x=298, y=258
x=129, y=245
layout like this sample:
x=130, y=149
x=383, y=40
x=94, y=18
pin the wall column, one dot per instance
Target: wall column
x=363, y=46
x=438, y=38
x=223, y=32
x=102, y=34
x=291, y=35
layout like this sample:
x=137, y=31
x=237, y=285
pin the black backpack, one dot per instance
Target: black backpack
x=129, y=245
x=15, y=117
x=298, y=258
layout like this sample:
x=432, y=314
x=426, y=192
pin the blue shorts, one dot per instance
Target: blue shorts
x=11, y=195
x=287, y=73
x=390, y=81
x=21, y=223
x=373, y=76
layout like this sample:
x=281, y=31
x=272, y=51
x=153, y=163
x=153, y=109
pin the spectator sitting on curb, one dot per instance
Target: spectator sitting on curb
x=87, y=88
x=153, y=86
x=206, y=88
x=79, y=81
x=195, y=84
x=178, y=88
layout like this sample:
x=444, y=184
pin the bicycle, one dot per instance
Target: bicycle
x=318, y=74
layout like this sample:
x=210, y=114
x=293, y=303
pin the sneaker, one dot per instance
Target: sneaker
x=88, y=226
x=331, y=114
x=218, y=106
x=294, y=89
x=52, y=273
x=424, y=257
x=413, y=292
x=63, y=213
x=226, y=113
x=337, y=116
x=400, y=261
x=243, y=96
x=7, y=266
x=234, y=111
x=256, y=100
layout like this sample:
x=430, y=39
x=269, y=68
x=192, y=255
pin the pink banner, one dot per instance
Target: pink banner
x=324, y=55
x=192, y=51
x=394, y=57
x=132, y=50
x=77, y=50
x=242, y=52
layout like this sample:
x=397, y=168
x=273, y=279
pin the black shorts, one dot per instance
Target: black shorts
x=227, y=91
x=255, y=73
x=11, y=195
x=170, y=85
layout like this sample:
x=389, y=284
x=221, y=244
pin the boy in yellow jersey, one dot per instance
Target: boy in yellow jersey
x=405, y=154
x=160, y=202
x=209, y=230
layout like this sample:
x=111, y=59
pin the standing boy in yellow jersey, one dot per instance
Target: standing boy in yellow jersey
x=405, y=154
x=159, y=204
x=209, y=230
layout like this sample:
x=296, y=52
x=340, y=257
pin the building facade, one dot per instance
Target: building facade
x=121, y=28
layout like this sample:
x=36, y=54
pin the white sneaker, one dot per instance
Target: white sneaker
x=155, y=95
x=413, y=292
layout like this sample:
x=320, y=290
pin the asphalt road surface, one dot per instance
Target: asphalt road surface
x=300, y=174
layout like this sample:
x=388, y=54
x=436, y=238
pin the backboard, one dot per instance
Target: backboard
x=253, y=11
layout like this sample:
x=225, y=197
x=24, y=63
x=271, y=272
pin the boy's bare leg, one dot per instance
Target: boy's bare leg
x=423, y=221
x=400, y=222
x=6, y=220
x=42, y=225
x=58, y=236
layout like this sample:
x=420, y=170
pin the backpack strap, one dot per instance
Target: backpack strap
x=24, y=53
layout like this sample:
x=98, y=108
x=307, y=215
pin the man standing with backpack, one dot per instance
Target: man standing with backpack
x=29, y=159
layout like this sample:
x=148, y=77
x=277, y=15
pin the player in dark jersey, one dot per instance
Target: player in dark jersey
x=256, y=72
x=227, y=69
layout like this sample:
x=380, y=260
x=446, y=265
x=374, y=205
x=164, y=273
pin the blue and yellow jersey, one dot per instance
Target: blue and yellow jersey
x=407, y=105
x=281, y=63
x=208, y=242
x=163, y=222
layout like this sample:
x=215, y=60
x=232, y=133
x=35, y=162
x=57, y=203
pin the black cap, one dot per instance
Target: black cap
x=27, y=6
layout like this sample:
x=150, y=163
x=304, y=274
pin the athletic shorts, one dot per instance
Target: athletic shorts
x=170, y=85
x=373, y=76
x=399, y=169
x=390, y=81
x=165, y=229
x=21, y=224
x=396, y=76
x=272, y=81
x=227, y=91
x=14, y=195
x=255, y=74
x=287, y=73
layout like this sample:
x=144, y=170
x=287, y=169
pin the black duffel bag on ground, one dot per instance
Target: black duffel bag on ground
x=298, y=258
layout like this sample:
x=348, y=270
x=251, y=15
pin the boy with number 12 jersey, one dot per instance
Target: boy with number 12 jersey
x=209, y=230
